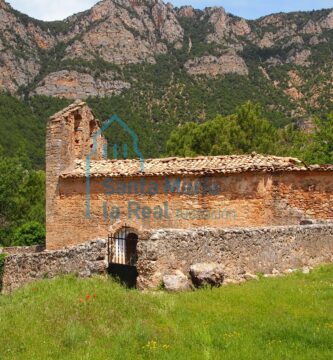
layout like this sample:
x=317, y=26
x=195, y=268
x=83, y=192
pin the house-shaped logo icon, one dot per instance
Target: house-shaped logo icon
x=135, y=143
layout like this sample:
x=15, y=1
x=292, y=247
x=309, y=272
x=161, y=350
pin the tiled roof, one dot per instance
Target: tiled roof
x=203, y=165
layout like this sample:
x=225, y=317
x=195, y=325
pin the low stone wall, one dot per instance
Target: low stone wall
x=85, y=260
x=240, y=252
x=267, y=250
x=22, y=249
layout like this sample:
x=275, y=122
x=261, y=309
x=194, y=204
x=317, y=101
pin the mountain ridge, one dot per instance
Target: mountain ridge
x=127, y=32
x=158, y=66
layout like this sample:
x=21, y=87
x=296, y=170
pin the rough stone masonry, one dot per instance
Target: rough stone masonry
x=241, y=253
x=84, y=260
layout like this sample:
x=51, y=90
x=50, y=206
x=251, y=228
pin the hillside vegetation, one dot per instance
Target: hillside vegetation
x=248, y=130
x=159, y=67
x=22, y=202
x=281, y=318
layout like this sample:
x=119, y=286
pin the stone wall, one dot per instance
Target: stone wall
x=243, y=251
x=269, y=250
x=22, y=249
x=84, y=260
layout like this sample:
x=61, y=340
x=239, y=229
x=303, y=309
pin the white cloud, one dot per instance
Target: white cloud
x=51, y=9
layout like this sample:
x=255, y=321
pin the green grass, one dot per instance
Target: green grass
x=282, y=318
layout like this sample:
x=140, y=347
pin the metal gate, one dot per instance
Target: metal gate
x=122, y=256
x=122, y=247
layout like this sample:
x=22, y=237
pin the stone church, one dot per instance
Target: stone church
x=89, y=196
x=175, y=221
x=92, y=197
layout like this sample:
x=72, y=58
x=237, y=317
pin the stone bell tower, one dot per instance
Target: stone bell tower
x=69, y=137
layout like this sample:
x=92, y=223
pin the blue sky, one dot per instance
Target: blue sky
x=250, y=9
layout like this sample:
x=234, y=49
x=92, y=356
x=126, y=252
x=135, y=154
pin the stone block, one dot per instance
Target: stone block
x=207, y=274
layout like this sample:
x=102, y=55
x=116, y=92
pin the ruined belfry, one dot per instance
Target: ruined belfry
x=69, y=139
x=173, y=193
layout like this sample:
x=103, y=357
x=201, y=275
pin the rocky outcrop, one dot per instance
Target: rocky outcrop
x=327, y=23
x=225, y=26
x=294, y=41
x=125, y=33
x=267, y=41
x=19, y=60
x=186, y=11
x=21, y=42
x=167, y=23
x=294, y=84
x=118, y=31
x=294, y=93
x=240, y=27
x=315, y=40
x=214, y=66
x=16, y=72
x=74, y=85
x=277, y=30
x=219, y=19
x=299, y=57
x=114, y=43
x=312, y=28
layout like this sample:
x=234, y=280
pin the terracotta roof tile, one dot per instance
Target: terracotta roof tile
x=190, y=166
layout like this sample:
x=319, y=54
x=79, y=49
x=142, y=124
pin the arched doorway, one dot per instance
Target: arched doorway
x=122, y=255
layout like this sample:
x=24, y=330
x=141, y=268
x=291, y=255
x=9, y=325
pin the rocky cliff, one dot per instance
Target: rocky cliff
x=125, y=32
x=106, y=50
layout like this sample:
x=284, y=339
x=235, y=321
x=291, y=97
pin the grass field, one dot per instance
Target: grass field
x=281, y=318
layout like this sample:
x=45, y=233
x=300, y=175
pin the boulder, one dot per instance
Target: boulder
x=207, y=274
x=248, y=276
x=177, y=282
x=306, y=270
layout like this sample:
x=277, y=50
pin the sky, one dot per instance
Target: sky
x=249, y=9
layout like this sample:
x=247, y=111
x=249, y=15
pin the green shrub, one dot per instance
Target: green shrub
x=31, y=233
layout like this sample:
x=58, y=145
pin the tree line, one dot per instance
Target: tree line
x=248, y=130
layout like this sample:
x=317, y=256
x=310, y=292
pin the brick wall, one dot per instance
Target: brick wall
x=244, y=200
x=310, y=193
